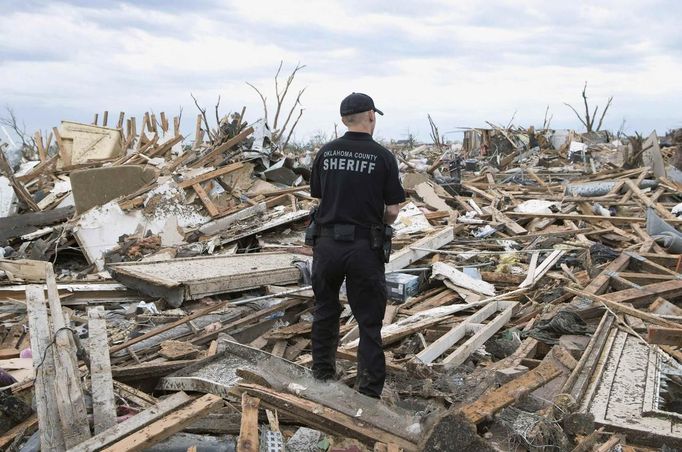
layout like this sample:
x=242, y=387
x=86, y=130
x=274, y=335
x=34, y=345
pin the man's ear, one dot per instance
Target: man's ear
x=372, y=116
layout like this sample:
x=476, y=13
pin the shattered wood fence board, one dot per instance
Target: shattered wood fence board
x=193, y=278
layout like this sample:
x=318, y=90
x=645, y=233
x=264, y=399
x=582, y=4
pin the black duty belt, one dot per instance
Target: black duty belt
x=361, y=232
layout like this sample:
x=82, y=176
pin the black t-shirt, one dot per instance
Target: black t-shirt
x=355, y=177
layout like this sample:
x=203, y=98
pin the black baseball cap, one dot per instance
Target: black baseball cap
x=357, y=103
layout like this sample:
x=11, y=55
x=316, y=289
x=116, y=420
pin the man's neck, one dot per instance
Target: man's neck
x=360, y=129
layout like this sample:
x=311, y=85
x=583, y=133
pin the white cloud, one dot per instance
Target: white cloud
x=465, y=62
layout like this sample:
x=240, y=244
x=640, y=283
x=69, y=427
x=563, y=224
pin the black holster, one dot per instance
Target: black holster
x=311, y=232
x=380, y=238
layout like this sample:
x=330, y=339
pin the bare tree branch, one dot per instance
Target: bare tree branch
x=203, y=114
x=588, y=123
x=263, y=99
x=291, y=131
x=603, y=113
x=545, y=124
x=27, y=142
x=282, y=96
x=217, y=115
x=577, y=114
x=293, y=107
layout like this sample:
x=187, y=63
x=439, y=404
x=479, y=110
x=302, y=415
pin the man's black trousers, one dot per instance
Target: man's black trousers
x=363, y=269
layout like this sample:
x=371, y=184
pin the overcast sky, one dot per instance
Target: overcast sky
x=464, y=62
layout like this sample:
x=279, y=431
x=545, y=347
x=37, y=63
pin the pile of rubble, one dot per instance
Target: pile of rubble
x=155, y=296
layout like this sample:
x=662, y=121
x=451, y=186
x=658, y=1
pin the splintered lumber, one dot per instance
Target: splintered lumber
x=168, y=425
x=103, y=404
x=68, y=387
x=248, y=432
x=210, y=175
x=324, y=418
x=485, y=332
x=664, y=336
x=646, y=294
x=493, y=401
x=624, y=309
x=436, y=349
x=206, y=200
x=51, y=436
x=18, y=225
x=223, y=147
x=411, y=253
x=130, y=425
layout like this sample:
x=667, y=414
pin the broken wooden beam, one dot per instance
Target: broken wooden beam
x=102, y=384
x=664, y=336
x=132, y=424
x=248, y=433
x=493, y=401
x=168, y=425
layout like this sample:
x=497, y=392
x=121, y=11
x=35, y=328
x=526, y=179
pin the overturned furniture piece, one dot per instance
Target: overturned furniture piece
x=197, y=277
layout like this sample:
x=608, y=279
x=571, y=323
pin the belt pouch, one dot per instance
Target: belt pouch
x=344, y=232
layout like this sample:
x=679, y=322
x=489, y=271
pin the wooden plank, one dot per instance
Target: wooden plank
x=646, y=294
x=664, y=336
x=624, y=309
x=493, y=401
x=206, y=200
x=168, y=326
x=68, y=388
x=241, y=136
x=39, y=144
x=18, y=225
x=568, y=216
x=103, y=402
x=166, y=426
x=51, y=436
x=207, y=337
x=460, y=355
x=248, y=433
x=324, y=418
x=407, y=255
x=436, y=349
x=210, y=175
x=661, y=306
x=136, y=396
x=134, y=423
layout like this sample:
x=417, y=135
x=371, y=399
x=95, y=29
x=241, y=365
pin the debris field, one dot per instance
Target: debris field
x=155, y=294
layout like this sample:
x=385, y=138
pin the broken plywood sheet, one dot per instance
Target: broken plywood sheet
x=97, y=186
x=443, y=271
x=624, y=391
x=430, y=198
x=193, y=278
x=651, y=155
x=82, y=143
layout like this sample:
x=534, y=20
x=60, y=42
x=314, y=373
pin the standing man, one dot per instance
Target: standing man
x=357, y=182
